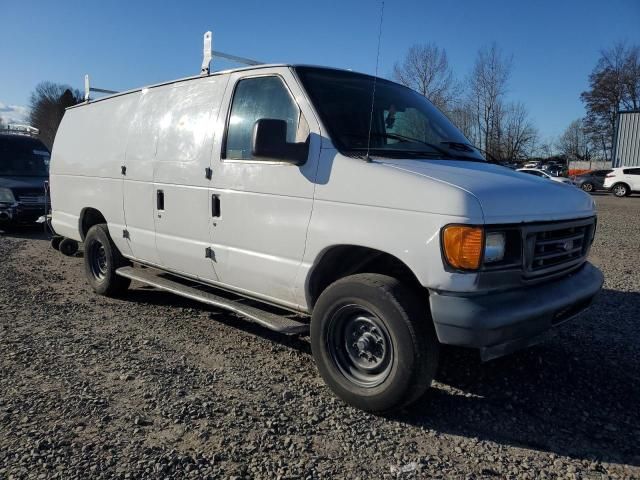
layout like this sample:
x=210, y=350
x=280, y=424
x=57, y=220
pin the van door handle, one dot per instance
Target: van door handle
x=215, y=205
x=160, y=200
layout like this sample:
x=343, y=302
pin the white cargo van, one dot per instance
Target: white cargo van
x=279, y=193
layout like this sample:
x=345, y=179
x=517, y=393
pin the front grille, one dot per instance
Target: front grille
x=32, y=199
x=29, y=196
x=555, y=247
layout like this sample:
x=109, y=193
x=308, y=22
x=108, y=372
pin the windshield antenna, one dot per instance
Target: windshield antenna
x=375, y=78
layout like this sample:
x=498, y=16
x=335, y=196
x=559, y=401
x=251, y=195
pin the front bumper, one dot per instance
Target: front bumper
x=500, y=323
x=16, y=214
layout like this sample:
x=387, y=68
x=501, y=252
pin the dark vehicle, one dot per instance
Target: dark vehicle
x=555, y=169
x=591, y=181
x=24, y=169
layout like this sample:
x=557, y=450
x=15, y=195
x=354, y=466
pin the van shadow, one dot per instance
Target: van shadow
x=577, y=394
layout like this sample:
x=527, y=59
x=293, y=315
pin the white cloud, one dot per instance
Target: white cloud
x=13, y=113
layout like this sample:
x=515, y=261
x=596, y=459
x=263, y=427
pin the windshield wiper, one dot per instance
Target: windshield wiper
x=437, y=149
x=404, y=138
x=468, y=147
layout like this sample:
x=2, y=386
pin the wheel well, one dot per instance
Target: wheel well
x=344, y=260
x=622, y=183
x=88, y=218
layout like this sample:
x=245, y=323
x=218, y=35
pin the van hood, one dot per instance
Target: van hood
x=505, y=196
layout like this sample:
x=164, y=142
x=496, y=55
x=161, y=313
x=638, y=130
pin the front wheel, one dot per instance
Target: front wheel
x=101, y=260
x=373, y=342
x=587, y=187
x=620, y=190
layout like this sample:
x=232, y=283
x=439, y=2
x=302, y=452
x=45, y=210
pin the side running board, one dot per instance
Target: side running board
x=163, y=281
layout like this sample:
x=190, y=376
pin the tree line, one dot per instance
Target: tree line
x=479, y=107
x=614, y=86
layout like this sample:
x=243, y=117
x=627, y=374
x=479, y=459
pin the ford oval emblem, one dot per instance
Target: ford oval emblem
x=568, y=245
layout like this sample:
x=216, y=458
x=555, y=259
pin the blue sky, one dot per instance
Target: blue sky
x=554, y=44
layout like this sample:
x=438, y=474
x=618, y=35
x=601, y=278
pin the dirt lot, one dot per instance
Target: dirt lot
x=154, y=386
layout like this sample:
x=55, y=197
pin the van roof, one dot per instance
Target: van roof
x=212, y=74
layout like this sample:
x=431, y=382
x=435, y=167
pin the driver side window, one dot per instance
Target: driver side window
x=256, y=98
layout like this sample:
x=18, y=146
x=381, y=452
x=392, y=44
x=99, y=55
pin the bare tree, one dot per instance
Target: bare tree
x=574, y=142
x=48, y=102
x=614, y=85
x=487, y=88
x=517, y=133
x=545, y=149
x=462, y=116
x=426, y=69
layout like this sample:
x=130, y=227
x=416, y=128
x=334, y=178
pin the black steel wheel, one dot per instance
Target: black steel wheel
x=360, y=345
x=97, y=256
x=101, y=260
x=373, y=342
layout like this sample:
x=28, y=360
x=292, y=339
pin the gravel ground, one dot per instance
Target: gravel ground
x=152, y=386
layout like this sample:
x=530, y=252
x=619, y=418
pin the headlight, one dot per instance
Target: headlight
x=494, y=247
x=6, y=195
x=462, y=246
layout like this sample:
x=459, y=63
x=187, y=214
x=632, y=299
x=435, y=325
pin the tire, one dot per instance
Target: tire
x=394, y=354
x=620, y=190
x=55, y=242
x=587, y=187
x=68, y=247
x=101, y=260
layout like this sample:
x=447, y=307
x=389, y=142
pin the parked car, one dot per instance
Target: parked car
x=623, y=181
x=554, y=169
x=512, y=166
x=266, y=185
x=24, y=168
x=542, y=174
x=591, y=181
x=532, y=165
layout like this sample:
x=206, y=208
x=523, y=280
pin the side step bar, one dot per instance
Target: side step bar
x=162, y=281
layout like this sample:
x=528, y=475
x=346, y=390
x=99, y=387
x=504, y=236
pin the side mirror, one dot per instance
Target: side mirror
x=270, y=141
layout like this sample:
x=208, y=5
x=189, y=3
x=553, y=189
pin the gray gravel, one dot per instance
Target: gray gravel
x=153, y=386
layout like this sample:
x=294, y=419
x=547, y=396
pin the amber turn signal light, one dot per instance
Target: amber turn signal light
x=463, y=246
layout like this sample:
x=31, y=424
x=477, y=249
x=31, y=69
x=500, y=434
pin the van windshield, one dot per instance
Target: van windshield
x=22, y=156
x=404, y=123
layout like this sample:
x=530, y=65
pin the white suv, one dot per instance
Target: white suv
x=623, y=181
x=278, y=192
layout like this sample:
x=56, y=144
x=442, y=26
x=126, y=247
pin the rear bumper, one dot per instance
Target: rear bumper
x=500, y=323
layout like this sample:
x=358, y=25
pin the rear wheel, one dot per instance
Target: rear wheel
x=55, y=242
x=68, y=247
x=587, y=187
x=621, y=190
x=373, y=342
x=101, y=260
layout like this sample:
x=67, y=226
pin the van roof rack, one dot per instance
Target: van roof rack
x=88, y=89
x=209, y=53
x=207, y=56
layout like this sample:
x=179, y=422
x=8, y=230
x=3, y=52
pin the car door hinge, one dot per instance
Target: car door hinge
x=208, y=173
x=209, y=253
x=125, y=234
